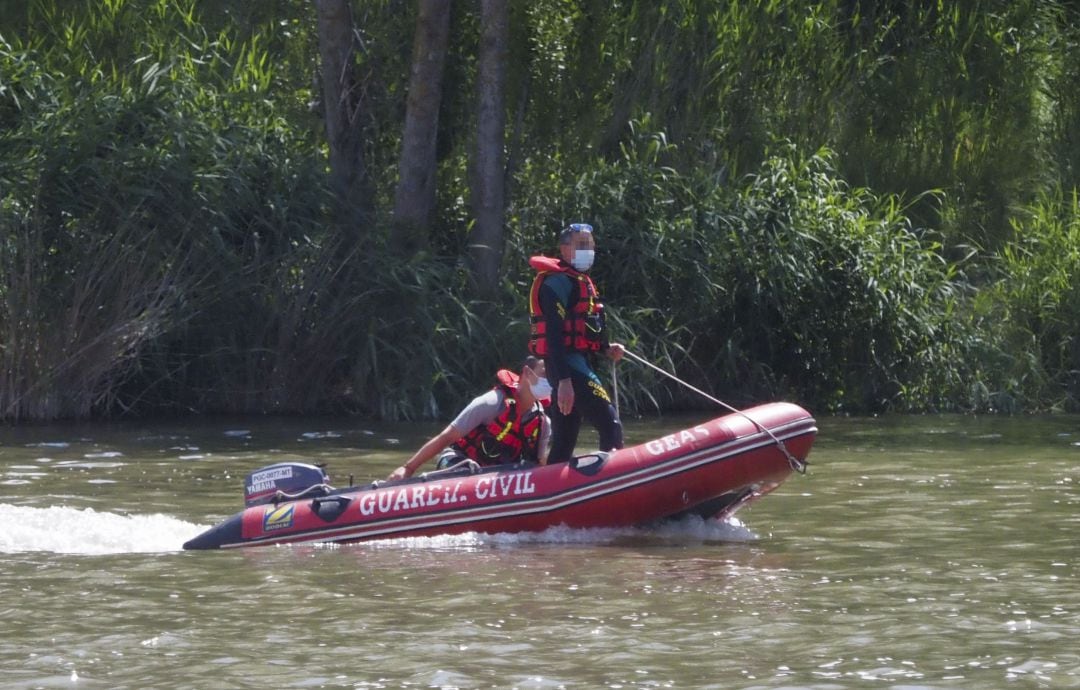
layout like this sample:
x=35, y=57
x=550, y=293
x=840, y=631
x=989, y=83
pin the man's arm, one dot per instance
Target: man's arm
x=481, y=410
x=558, y=369
x=553, y=307
x=545, y=440
x=427, y=452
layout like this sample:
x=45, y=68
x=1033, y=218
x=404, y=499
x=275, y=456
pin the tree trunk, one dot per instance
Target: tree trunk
x=414, y=203
x=488, y=176
x=342, y=105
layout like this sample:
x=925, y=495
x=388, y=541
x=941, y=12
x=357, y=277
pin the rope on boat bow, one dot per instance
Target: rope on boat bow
x=796, y=464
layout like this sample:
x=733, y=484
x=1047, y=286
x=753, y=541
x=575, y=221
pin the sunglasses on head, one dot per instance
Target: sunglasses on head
x=574, y=229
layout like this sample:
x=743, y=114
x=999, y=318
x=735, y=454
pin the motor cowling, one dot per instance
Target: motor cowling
x=292, y=479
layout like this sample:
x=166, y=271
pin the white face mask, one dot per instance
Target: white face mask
x=583, y=259
x=541, y=389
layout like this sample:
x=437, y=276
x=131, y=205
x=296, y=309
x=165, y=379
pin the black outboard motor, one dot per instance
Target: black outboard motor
x=284, y=480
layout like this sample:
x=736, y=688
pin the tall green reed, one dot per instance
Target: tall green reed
x=1030, y=355
x=165, y=245
x=136, y=173
x=755, y=287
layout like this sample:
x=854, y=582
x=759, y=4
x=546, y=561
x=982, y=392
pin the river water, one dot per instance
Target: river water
x=918, y=552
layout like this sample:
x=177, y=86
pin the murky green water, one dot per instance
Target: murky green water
x=917, y=553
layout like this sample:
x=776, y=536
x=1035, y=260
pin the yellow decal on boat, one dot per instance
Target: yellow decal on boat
x=280, y=517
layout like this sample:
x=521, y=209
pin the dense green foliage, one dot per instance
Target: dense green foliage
x=860, y=206
x=1030, y=314
x=755, y=287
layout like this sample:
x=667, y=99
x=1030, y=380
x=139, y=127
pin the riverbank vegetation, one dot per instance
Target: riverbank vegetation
x=859, y=206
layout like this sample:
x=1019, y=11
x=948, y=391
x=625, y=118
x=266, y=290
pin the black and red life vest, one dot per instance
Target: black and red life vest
x=513, y=435
x=583, y=324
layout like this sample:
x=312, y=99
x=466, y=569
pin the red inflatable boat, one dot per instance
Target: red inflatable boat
x=711, y=469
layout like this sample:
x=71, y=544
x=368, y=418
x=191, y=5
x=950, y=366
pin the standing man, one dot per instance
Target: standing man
x=568, y=330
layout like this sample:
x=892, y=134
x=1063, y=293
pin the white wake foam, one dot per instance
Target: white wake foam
x=87, y=531
x=676, y=531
